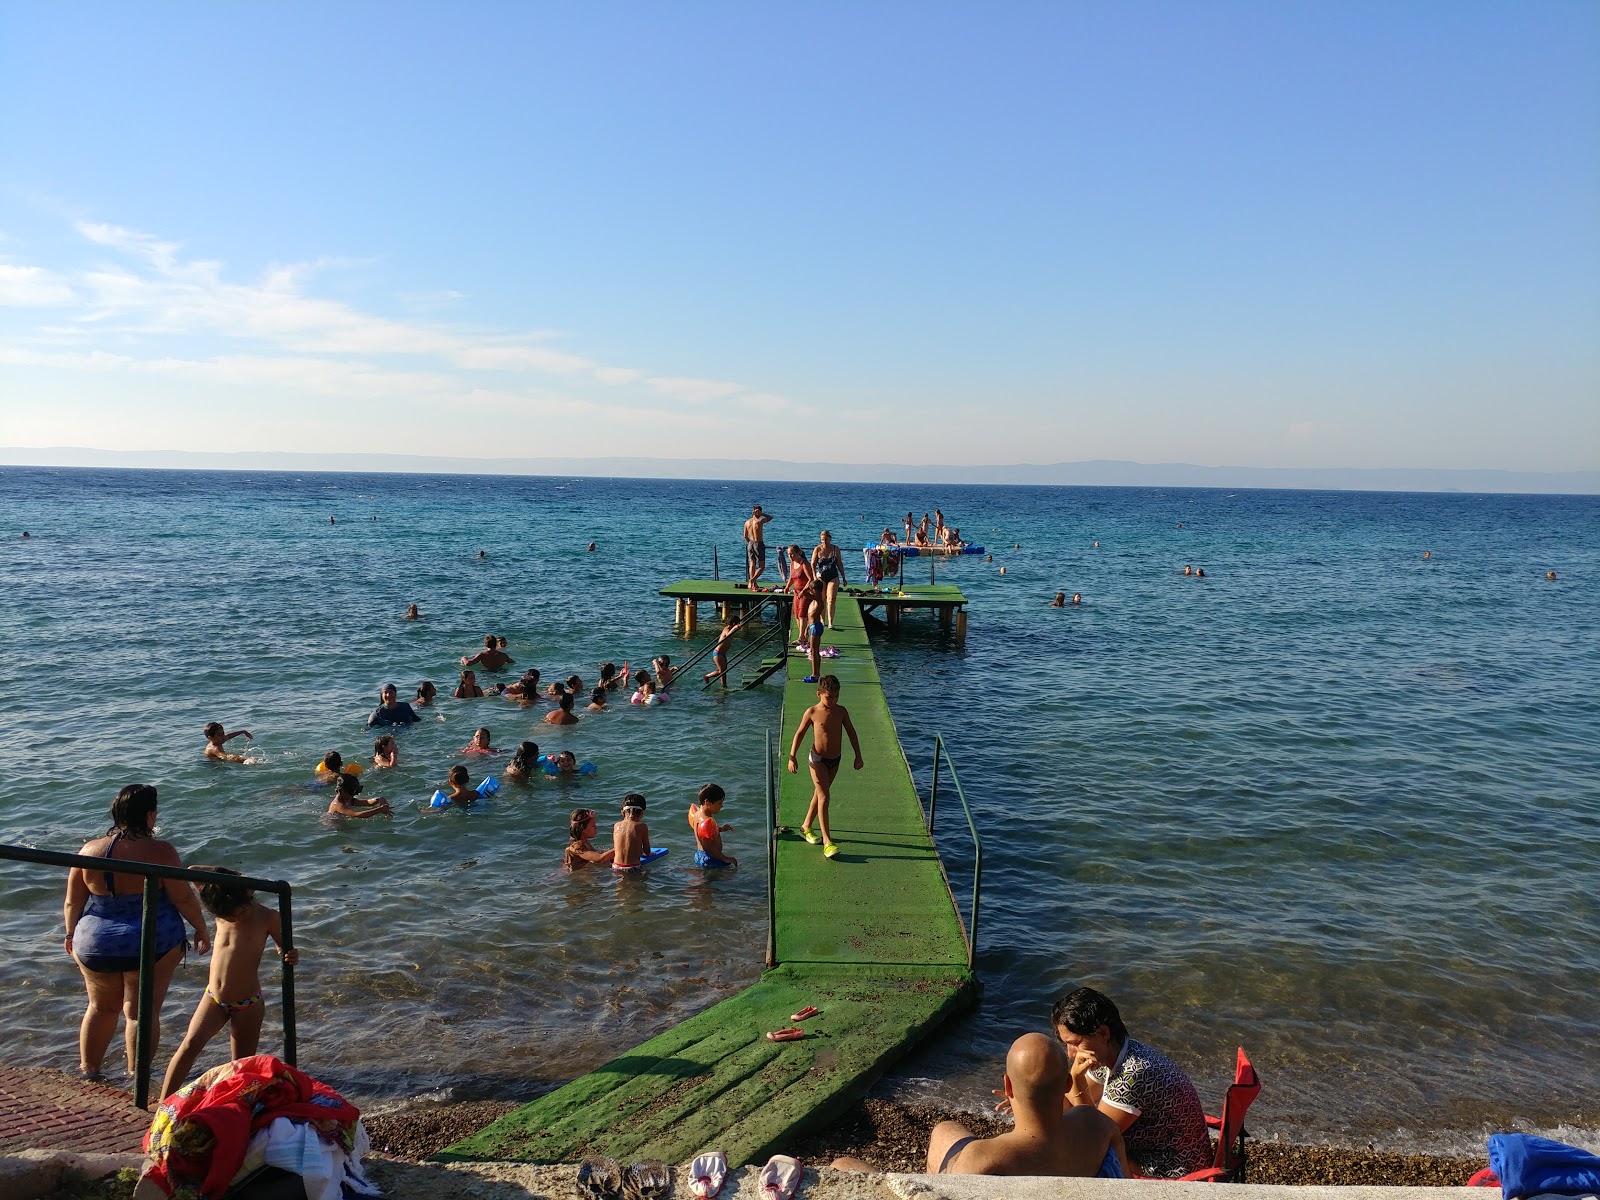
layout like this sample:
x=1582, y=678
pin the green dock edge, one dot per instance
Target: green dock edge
x=872, y=939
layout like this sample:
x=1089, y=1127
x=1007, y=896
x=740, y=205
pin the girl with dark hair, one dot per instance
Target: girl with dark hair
x=104, y=914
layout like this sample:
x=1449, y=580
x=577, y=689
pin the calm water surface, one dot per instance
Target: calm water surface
x=1333, y=802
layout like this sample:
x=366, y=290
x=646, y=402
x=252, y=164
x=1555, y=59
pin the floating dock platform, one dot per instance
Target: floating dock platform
x=872, y=938
x=735, y=599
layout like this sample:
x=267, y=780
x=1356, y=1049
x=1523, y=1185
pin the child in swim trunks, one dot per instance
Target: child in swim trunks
x=707, y=833
x=217, y=736
x=580, y=850
x=233, y=995
x=719, y=654
x=630, y=837
x=825, y=719
x=813, y=601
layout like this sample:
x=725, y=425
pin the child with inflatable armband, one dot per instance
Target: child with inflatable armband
x=524, y=761
x=647, y=693
x=630, y=837
x=707, y=832
x=217, y=737
x=580, y=851
x=566, y=763
x=479, y=743
x=345, y=803
x=333, y=765
x=233, y=994
x=459, y=794
x=562, y=713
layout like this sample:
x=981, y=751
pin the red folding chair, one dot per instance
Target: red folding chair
x=1228, y=1167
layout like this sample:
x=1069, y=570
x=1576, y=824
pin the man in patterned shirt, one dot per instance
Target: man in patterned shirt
x=1141, y=1089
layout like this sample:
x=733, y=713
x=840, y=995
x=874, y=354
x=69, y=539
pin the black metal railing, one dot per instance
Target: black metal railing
x=970, y=929
x=772, y=856
x=704, y=652
x=152, y=874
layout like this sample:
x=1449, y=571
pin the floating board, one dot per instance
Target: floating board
x=644, y=859
x=927, y=551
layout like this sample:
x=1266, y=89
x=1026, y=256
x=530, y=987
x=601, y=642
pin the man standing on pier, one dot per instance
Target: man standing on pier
x=755, y=545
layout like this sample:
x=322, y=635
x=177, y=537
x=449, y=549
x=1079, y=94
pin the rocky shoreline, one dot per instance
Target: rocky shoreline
x=894, y=1137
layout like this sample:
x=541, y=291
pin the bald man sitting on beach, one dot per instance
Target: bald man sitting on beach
x=1081, y=1141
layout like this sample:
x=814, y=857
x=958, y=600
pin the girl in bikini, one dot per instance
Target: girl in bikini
x=233, y=995
x=580, y=850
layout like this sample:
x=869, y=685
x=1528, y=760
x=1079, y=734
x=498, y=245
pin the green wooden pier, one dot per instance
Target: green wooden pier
x=872, y=938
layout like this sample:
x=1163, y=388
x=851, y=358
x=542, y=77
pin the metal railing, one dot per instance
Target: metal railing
x=704, y=652
x=772, y=856
x=779, y=633
x=970, y=929
x=153, y=873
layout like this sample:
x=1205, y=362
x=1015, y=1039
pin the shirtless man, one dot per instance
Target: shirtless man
x=1079, y=1142
x=829, y=721
x=490, y=658
x=755, y=545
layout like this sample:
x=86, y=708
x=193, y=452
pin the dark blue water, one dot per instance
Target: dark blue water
x=1334, y=802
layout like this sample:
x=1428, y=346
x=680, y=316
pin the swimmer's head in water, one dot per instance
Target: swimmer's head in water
x=633, y=802
x=469, y=676
x=607, y=671
x=581, y=824
x=1061, y=599
x=488, y=641
x=574, y=683
x=526, y=757
x=224, y=901
x=458, y=776
x=568, y=699
x=132, y=809
x=480, y=737
x=383, y=746
x=426, y=690
x=1077, y=597
x=598, y=696
x=501, y=643
x=333, y=762
x=566, y=761
x=1550, y=575
x=347, y=784
x=213, y=730
x=411, y=610
x=388, y=692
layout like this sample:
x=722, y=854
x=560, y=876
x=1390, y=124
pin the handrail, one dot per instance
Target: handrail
x=700, y=655
x=143, y=1045
x=940, y=750
x=780, y=632
x=772, y=857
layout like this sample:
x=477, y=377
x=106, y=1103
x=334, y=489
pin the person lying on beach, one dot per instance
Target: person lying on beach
x=233, y=994
x=610, y=678
x=217, y=737
x=630, y=837
x=385, y=752
x=597, y=700
x=524, y=762
x=391, y=709
x=467, y=688
x=580, y=851
x=829, y=721
x=425, y=694
x=1046, y=1140
x=491, y=657
x=479, y=743
x=345, y=802
x=1143, y=1091
x=562, y=714
x=707, y=832
x=719, y=653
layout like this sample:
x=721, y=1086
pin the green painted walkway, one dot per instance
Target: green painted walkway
x=871, y=938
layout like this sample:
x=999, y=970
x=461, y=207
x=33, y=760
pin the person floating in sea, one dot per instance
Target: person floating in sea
x=755, y=545
x=479, y=744
x=391, y=709
x=719, y=653
x=1077, y=597
x=524, y=761
x=345, y=802
x=1187, y=569
x=233, y=995
x=826, y=719
x=217, y=737
x=562, y=714
x=456, y=787
x=597, y=700
x=412, y=614
x=1550, y=575
x=467, y=686
x=580, y=850
x=630, y=837
x=491, y=658
x=610, y=678
x=707, y=832
x=425, y=694
x=385, y=752
x=1060, y=601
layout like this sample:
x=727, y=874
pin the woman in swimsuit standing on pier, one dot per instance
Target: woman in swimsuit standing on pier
x=828, y=563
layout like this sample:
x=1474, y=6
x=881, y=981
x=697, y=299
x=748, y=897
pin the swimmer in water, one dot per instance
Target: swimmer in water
x=455, y=787
x=217, y=736
x=663, y=665
x=630, y=837
x=481, y=554
x=1187, y=569
x=1077, y=597
x=597, y=700
x=385, y=752
x=1550, y=575
x=479, y=743
x=1427, y=554
x=425, y=694
x=491, y=658
x=610, y=677
x=524, y=762
x=566, y=763
x=1199, y=572
x=412, y=614
x=1060, y=601
x=580, y=852
x=468, y=688
x=591, y=547
x=562, y=714
x=346, y=804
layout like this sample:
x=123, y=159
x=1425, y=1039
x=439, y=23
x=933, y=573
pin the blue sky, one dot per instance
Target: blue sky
x=1266, y=234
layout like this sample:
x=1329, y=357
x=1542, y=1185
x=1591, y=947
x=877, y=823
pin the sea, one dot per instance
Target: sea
x=1336, y=802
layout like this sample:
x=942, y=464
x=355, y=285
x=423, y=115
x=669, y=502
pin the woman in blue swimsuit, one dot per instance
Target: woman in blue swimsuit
x=104, y=914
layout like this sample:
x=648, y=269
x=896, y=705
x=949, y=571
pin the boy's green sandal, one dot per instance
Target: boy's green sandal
x=830, y=851
x=810, y=837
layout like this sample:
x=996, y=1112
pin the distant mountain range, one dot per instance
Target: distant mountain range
x=1096, y=473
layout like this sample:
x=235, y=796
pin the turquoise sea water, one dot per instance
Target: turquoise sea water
x=1333, y=802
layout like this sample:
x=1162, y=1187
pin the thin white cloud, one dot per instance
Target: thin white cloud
x=33, y=287
x=693, y=391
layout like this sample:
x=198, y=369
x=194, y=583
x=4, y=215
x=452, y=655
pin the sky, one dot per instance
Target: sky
x=1278, y=234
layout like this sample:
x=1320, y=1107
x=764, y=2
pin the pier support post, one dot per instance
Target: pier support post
x=691, y=616
x=892, y=613
x=961, y=625
x=944, y=615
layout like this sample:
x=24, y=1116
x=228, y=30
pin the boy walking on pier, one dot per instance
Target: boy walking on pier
x=828, y=722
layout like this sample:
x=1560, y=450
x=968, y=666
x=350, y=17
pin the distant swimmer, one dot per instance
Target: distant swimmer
x=592, y=547
x=412, y=614
x=1187, y=569
x=217, y=736
x=988, y=558
x=1002, y=570
x=1550, y=575
x=1077, y=597
x=1097, y=545
x=1180, y=524
x=1060, y=601
x=1199, y=572
x=331, y=521
x=481, y=554
x=1427, y=554
x=1018, y=546
x=26, y=535
x=491, y=657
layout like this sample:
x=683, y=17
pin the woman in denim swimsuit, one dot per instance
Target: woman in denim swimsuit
x=105, y=926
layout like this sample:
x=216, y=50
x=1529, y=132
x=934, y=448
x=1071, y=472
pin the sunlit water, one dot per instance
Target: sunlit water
x=1333, y=802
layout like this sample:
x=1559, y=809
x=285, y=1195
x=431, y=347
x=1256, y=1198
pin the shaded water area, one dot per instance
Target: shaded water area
x=1334, y=802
